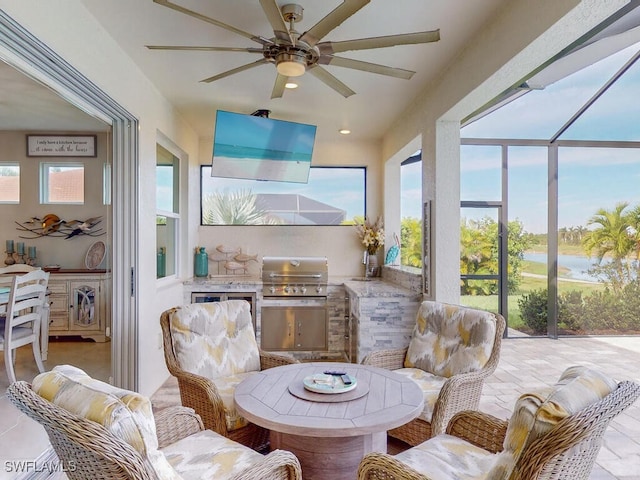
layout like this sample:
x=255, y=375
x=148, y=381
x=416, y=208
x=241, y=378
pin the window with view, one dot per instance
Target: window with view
x=62, y=183
x=167, y=212
x=9, y=183
x=333, y=196
x=411, y=211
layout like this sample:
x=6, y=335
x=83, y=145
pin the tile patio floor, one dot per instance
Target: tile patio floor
x=527, y=363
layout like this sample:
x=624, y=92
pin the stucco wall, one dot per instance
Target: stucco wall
x=339, y=243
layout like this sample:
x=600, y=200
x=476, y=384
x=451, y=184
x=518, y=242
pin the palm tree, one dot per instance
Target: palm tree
x=611, y=237
x=234, y=208
x=477, y=256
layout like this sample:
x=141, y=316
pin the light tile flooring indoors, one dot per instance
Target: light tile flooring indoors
x=525, y=364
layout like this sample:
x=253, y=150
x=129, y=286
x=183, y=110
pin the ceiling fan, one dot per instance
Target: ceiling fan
x=293, y=54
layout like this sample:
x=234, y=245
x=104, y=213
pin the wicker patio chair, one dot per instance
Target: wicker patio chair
x=561, y=446
x=209, y=391
x=89, y=450
x=453, y=349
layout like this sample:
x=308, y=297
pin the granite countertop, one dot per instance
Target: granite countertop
x=374, y=287
x=377, y=287
x=249, y=280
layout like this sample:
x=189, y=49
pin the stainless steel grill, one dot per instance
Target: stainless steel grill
x=295, y=276
x=294, y=305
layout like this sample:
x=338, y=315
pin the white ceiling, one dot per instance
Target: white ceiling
x=27, y=105
x=177, y=74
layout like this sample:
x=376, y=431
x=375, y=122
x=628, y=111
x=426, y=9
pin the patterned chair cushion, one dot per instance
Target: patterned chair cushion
x=207, y=455
x=215, y=339
x=445, y=457
x=124, y=413
x=449, y=339
x=535, y=414
x=226, y=387
x=430, y=386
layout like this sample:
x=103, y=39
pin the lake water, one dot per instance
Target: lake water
x=577, y=264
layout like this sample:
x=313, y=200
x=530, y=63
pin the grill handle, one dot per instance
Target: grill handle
x=295, y=275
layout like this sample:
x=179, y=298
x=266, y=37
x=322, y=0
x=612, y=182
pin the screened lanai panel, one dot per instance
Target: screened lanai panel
x=598, y=213
x=480, y=173
x=615, y=115
x=541, y=112
x=527, y=247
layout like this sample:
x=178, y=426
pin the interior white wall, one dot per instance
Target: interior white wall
x=520, y=38
x=68, y=253
x=340, y=244
x=71, y=31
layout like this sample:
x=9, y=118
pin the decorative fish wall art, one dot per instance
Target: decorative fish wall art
x=53, y=226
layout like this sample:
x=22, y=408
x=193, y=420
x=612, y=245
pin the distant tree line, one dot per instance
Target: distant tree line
x=613, y=238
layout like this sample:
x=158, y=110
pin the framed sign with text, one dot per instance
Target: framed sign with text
x=61, y=145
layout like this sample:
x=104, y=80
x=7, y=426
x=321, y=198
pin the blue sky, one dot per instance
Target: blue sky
x=589, y=178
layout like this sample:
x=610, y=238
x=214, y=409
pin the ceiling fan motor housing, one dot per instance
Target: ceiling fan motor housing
x=292, y=12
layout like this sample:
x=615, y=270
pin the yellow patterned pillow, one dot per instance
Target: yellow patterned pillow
x=215, y=339
x=207, y=455
x=450, y=339
x=126, y=414
x=536, y=413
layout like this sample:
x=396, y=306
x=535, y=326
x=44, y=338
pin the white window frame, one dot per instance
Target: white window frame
x=44, y=181
x=8, y=165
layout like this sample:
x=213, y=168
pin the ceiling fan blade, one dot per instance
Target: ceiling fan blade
x=332, y=20
x=327, y=48
x=324, y=76
x=278, y=87
x=274, y=15
x=199, y=16
x=257, y=63
x=366, y=66
x=204, y=49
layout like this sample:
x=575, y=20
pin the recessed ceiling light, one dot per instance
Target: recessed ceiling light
x=290, y=85
x=344, y=131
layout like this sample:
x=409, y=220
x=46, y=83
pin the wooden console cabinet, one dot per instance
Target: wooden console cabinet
x=79, y=304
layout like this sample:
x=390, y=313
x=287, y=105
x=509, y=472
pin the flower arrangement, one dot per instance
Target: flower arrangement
x=371, y=234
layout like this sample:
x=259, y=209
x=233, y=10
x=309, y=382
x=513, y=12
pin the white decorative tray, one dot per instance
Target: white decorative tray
x=95, y=255
x=322, y=383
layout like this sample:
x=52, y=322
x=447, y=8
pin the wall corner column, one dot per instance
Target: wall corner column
x=441, y=186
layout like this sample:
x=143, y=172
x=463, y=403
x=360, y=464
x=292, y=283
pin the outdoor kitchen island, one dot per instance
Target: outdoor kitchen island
x=361, y=316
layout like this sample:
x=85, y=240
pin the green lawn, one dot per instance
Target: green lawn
x=528, y=284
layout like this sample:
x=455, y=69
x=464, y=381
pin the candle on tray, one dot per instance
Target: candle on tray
x=9, y=246
x=32, y=252
x=20, y=248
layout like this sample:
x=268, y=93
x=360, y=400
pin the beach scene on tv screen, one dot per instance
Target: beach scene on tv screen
x=259, y=148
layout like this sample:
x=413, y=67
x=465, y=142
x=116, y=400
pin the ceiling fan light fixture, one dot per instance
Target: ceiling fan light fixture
x=290, y=85
x=290, y=64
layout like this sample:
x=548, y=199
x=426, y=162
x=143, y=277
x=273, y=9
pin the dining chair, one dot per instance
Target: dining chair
x=17, y=268
x=22, y=317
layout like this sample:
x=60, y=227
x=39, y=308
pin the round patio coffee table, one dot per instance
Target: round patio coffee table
x=328, y=433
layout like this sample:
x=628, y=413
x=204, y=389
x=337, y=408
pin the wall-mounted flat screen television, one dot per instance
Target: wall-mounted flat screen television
x=261, y=148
